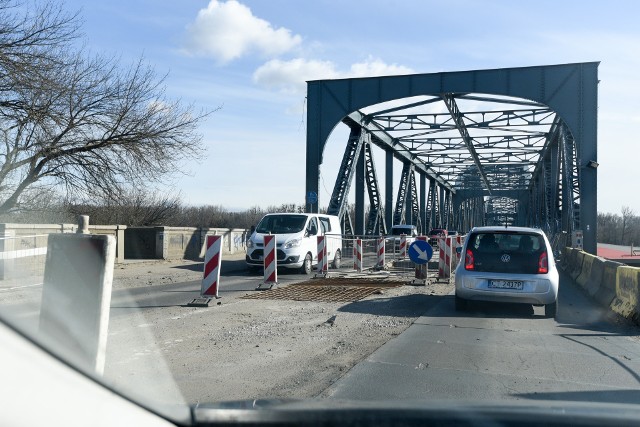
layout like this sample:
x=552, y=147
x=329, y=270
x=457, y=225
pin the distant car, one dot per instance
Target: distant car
x=410, y=231
x=513, y=264
x=435, y=233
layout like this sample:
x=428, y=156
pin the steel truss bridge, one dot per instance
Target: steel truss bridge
x=511, y=146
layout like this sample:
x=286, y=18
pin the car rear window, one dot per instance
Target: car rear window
x=506, y=252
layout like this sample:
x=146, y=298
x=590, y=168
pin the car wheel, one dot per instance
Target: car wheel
x=461, y=304
x=550, y=310
x=306, y=264
x=337, y=260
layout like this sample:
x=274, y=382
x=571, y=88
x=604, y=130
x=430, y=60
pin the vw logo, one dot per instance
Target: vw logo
x=505, y=258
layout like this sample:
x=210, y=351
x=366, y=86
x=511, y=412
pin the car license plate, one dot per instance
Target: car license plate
x=506, y=284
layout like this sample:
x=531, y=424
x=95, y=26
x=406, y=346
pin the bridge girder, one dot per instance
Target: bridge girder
x=529, y=152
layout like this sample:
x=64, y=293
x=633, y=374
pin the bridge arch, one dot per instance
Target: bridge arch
x=570, y=90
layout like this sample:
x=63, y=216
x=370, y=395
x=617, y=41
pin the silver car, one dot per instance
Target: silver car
x=507, y=264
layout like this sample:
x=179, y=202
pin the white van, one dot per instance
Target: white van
x=296, y=240
x=409, y=230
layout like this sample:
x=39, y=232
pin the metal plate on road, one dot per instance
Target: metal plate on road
x=420, y=252
x=200, y=302
x=506, y=284
x=327, y=290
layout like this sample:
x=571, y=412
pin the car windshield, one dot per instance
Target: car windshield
x=281, y=224
x=201, y=205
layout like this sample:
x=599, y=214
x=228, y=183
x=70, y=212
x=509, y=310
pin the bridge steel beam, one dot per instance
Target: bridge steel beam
x=360, y=185
x=423, y=204
x=450, y=102
x=570, y=90
x=388, y=189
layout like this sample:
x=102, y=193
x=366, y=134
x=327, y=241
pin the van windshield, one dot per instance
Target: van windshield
x=281, y=224
x=396, y=231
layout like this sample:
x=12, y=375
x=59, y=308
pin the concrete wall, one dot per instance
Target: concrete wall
x=613, y=285
x=189, y=243
x=23, y=246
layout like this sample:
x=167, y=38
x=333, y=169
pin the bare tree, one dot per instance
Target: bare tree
x=81, y=122
x=627, y=218
x=139, y=206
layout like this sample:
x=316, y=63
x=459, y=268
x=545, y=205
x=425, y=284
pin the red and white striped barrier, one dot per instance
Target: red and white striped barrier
x=457, y=255
x=212, y=262
x=381, y=247
x=449, y=256
x=403, y=245
x=323, y=265
x=444, y=263
x=270, y=260
x=357, y=255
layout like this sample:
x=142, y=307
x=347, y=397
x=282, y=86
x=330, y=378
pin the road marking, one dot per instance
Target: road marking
x=20, y=287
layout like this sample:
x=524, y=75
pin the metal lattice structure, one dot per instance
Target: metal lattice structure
x=510, y=146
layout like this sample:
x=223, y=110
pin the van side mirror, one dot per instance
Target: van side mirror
x=459, y=250
x=252, y=229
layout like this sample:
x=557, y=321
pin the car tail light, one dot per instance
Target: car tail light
x=543, y=263
x=468, y=260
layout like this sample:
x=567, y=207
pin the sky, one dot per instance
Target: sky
x=248, y=62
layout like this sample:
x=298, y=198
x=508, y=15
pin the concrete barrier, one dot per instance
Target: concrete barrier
x=626, y=301
x=564, y=259
x=612, y=284
x=576, y=268
x=585, y=271
x=594, y=281
x=571, y=260
x=607, y=291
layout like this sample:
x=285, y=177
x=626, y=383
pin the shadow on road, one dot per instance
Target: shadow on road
x=228, y=266
x=494, y=310
x=402, y=306
x=148, y=306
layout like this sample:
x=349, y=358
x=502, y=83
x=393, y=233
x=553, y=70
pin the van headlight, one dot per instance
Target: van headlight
x=250, y=244
x=293, y=243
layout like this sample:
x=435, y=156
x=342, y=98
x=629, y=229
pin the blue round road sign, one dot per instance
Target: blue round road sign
x=312, y=197
x=420, y=252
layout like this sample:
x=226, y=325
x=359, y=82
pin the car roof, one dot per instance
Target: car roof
x=503, y=228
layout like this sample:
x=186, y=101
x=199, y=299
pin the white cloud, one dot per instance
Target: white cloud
x=228, y=30
x=376, y=67
x=290, y=76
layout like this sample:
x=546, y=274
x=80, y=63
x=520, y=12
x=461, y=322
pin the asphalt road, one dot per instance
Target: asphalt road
x=180, y=294
x=487, y=352
x=503, y=352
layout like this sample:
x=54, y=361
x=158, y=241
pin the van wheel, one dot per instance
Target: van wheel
x=337, y=260
x=306, y=265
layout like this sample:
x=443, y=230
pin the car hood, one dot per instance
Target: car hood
x=337, y=412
